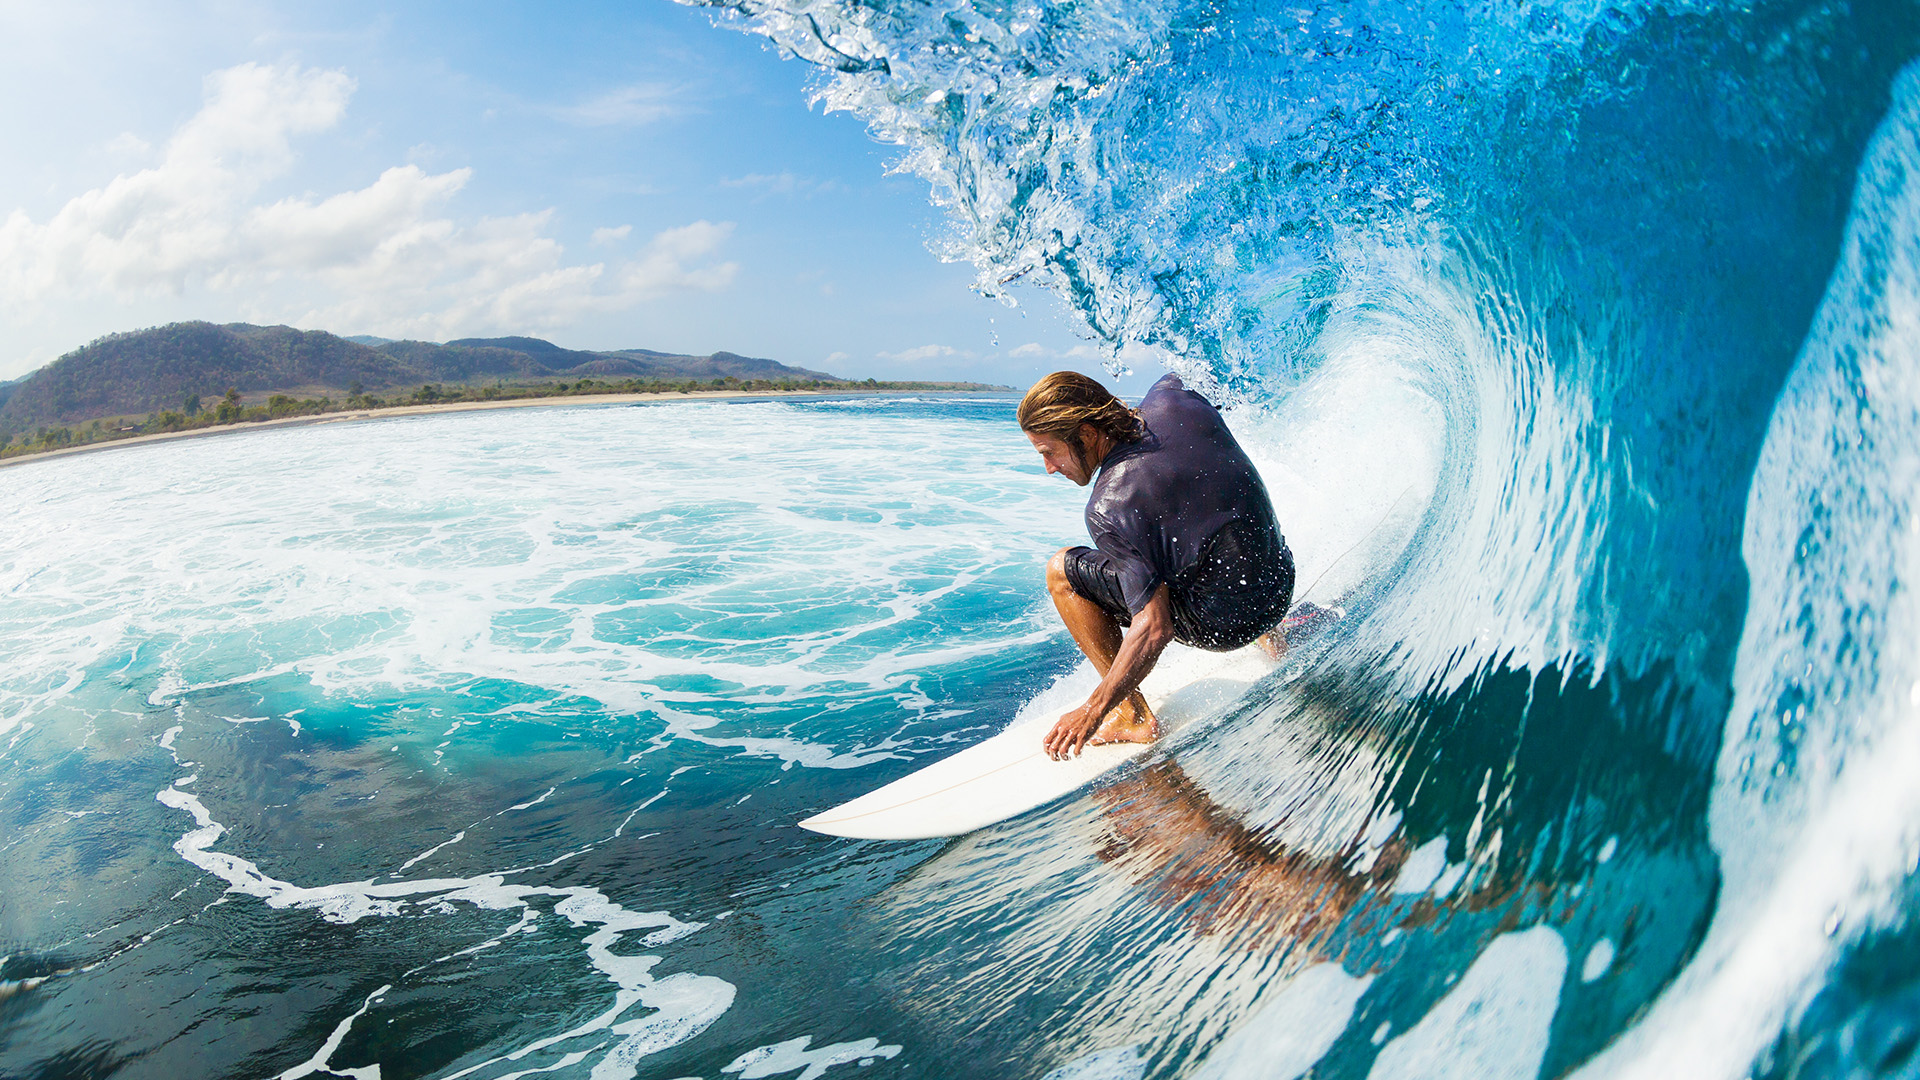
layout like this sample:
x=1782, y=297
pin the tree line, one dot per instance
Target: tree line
x=228, y=409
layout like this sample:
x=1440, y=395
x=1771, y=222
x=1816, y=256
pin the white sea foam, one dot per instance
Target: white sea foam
x=1295, y=1027
x=435, y=849
x=684, y=1004
x=1423, y=867
x=793, y=1056
x=584, y=551
x=322, y=1059
x=531, y=803
x=1599, y=961
x=1113, y=1063
x=1496, y=1021
x=1350, y=460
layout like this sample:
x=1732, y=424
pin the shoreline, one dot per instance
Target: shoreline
x=355, y=415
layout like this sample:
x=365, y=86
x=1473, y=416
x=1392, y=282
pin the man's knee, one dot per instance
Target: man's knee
x=1057, y=582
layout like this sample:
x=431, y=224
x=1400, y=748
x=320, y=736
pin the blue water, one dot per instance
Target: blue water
x=1579, y=345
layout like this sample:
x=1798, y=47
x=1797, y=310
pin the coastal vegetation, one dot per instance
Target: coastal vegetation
x=229, y=410
x=196, y=375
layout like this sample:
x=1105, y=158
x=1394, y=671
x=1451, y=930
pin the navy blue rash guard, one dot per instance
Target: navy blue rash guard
x=1183, y=507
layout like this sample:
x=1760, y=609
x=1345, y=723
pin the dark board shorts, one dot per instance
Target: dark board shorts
x=1232, y=595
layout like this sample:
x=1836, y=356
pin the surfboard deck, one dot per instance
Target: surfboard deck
x=1009, y=774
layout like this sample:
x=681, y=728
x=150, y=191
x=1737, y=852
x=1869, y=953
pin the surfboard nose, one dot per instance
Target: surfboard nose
x=821, y=823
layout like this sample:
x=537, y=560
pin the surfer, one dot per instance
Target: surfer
x=1186, y=546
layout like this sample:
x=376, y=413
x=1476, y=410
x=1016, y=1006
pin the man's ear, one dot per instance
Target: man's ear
x=1084, y=438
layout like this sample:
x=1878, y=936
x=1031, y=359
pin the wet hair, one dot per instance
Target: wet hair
x=1058, y=404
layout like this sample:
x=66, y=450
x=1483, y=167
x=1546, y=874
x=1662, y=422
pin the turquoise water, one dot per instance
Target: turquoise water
x=472, y=745
x=1577, y=345
x=508, y=713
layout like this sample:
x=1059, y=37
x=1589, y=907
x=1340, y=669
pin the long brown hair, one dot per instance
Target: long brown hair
x=1058, y=404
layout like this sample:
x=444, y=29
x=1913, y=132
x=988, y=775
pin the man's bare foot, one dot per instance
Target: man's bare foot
x=1132, y=722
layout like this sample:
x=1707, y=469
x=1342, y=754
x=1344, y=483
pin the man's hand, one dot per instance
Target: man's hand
x=1071, y=733
x=1139, y=650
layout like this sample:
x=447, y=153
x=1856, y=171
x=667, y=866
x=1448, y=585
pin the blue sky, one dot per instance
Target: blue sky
x=605, y=175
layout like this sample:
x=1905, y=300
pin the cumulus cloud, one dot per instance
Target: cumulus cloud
x=385, y=257
x=165, y=225
x=505, y=273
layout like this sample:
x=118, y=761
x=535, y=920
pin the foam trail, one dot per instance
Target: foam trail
x=449, y=842
x=793, y=1055
x=321, y=1060
x=685, y=1004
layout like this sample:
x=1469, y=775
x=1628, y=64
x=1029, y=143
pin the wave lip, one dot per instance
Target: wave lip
x=1645, y=273
x=1814, y=811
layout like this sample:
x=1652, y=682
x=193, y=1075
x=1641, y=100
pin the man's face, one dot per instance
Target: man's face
x=1060, y=456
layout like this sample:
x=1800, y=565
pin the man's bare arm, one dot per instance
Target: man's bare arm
x=1140, y=649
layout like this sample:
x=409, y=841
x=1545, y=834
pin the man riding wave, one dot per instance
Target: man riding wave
x=1186, y=546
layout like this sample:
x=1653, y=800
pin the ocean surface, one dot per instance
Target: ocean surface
x=1579, y=345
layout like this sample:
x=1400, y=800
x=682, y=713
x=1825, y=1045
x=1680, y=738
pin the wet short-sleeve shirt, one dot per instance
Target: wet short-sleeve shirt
x=1157, y=503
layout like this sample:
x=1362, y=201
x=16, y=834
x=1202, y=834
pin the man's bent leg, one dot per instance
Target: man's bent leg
x=1098, y=634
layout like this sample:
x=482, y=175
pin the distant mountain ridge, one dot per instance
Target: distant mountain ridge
x=144, y=370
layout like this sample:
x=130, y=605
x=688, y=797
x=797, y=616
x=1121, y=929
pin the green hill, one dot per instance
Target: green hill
x=146, y=370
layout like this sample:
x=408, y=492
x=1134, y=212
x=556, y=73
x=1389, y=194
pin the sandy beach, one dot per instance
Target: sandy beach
x=350, y=416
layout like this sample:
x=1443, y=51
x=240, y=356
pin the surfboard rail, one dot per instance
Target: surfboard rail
x=1009, y=773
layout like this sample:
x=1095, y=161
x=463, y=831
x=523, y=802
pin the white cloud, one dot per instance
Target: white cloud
x=363, y=233
x=666, y=264
x=925, y=352
x=128, y=145
x=612, y=235
x=505, y=273
x=626, y=106
x=384, y=258
x=1035, y=351
x=162, y=226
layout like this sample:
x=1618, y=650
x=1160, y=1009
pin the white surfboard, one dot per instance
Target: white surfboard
x=1010, y=774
